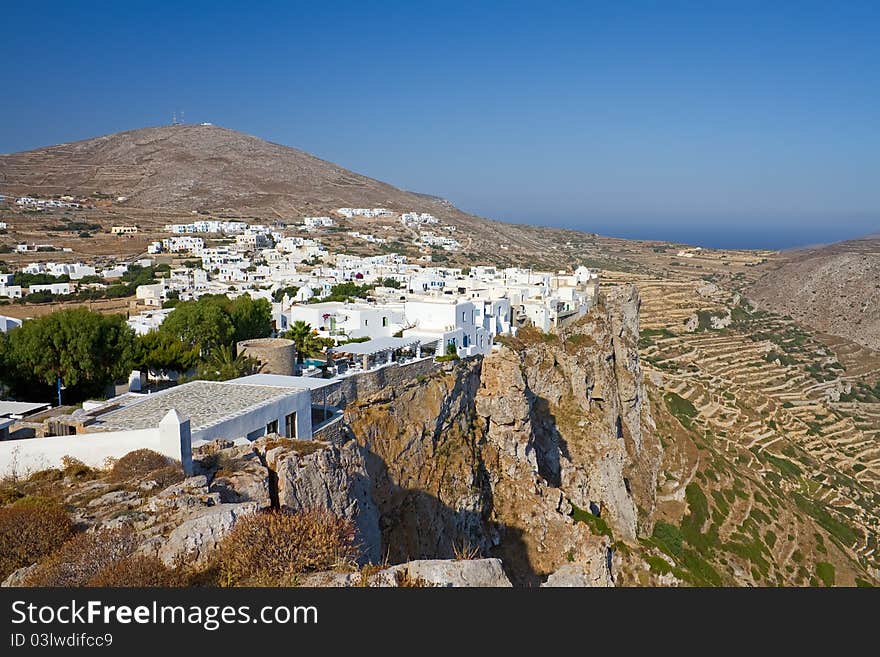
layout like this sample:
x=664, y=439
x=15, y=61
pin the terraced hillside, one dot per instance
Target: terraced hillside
x=772, y=455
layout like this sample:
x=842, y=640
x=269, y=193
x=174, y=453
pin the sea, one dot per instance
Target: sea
x=772, y=237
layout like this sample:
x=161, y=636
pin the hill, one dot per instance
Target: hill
x=198, y=167
x=832, y=289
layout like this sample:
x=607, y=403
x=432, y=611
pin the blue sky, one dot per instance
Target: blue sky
x=726, y=121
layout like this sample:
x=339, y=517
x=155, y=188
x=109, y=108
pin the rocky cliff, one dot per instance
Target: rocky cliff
x=541, y=453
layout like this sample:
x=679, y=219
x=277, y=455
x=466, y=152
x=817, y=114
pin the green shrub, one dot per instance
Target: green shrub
x=825, y=572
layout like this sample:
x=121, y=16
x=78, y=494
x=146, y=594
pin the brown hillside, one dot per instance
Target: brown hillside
x=833, y=289
x=196, y=167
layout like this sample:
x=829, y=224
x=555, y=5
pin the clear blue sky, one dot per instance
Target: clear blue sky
x=735, y=119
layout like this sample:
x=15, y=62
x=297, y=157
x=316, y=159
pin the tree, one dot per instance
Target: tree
x=252, y=318
x=202, y=325
x=290, y=291
x=224, y=364
x=346, y=291
x=161, y=352
x=85, y=350
x=301, y=333
x=215, y=320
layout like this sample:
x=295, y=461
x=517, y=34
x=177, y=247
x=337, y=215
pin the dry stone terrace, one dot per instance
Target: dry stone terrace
x=205, y=403
x=765, y=397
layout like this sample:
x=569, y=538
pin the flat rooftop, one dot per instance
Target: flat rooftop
x=204, y=403
x=285, y=381
x=20, y=409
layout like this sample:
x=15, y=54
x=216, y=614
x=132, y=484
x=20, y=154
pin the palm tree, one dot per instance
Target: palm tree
x=303, y=337
x=223, y=364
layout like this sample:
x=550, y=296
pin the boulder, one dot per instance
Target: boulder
x=323, y=476
x=243, y=477
x=17, y=577
x=579, y=575
x=444, y=573
x=196, y=538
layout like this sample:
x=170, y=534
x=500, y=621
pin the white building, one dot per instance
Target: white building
x=342, y=320
x=227, y=410
x=209, y=226
x=364, y=212
x=252, y=240
x=416, y=218
x=51, y=288
x=11, y=291
x=150, y=295
x=182, y=244
x=318, y=222
x=447, y=321
x=147, y=321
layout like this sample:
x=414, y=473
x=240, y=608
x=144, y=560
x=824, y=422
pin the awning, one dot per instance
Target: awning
x=375, y=346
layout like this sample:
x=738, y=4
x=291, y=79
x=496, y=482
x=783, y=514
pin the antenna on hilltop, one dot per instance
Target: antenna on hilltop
x=181, y=116
x=173, y=118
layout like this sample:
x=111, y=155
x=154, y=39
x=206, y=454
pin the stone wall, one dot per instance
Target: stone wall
x=347, y=390
x=333, y=432
x=275, y=355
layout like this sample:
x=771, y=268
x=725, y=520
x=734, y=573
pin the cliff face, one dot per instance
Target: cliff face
x=503, y=454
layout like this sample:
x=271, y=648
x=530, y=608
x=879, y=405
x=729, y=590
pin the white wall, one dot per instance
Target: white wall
x=171, y=438
x=256, y=420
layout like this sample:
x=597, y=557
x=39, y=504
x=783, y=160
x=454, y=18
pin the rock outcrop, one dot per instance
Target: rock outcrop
x=446, y=573
x=578, y=575
x=196, y=539
x=317, y=475
x=501, y=455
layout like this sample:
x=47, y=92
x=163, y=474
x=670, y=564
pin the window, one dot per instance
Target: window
x=272, y=427
x=290, y=425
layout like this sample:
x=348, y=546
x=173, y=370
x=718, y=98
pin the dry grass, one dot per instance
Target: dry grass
x=30, y=529
x=136, y=571
x=275, y=548
x=80, y=559
x=466, y=552
x=146, y=464
x=405, y=580
x=75, y=469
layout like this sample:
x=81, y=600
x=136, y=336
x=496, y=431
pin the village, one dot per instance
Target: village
x=366, y=318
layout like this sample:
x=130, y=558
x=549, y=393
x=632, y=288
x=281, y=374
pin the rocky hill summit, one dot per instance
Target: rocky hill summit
x=195, y=167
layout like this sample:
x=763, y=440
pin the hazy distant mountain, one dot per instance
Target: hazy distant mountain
x=195, y=167
x=834, y=288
